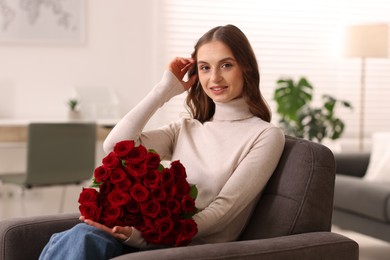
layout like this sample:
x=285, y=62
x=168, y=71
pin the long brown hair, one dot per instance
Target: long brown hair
x=200, y=105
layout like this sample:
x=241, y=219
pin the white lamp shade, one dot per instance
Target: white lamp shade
x=371, y=40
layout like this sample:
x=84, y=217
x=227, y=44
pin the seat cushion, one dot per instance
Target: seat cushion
x=365, y=198
x=379, y=166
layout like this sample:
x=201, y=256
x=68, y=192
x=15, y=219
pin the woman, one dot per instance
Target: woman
x=227, y=145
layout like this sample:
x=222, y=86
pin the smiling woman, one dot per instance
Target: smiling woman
x=220, y=158
x=227, y=69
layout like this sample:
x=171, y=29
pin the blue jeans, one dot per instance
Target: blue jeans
x=83, y=242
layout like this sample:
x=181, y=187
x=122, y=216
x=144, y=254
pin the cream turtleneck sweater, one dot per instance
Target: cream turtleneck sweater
x=230, y=158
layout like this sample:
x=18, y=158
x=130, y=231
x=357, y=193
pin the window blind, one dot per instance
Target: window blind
x=291, y=39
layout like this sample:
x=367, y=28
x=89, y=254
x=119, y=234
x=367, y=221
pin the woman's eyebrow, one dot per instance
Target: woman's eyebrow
x=223, y=60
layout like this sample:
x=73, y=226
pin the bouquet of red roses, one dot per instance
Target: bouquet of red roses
x=134, y=189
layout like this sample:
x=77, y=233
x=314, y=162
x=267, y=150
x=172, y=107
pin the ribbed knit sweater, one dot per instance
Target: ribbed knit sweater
x=229, y=158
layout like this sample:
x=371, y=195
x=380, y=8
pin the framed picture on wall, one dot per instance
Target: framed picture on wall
x=47, y=21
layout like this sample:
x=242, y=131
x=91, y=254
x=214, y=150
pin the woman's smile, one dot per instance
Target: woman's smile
x=218, y=89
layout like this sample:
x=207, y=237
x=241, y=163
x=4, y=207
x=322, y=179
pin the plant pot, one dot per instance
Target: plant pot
x=74, y=115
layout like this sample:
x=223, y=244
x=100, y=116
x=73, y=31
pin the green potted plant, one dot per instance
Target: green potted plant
x=299, y=118
x=72, y=103
x=73, y=113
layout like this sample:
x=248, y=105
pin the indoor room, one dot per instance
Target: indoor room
x=70, y=70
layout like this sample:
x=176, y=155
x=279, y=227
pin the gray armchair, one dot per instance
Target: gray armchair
x=360, y=205
x=291, y=221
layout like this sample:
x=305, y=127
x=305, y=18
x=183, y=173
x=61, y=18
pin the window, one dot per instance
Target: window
x=293, y=39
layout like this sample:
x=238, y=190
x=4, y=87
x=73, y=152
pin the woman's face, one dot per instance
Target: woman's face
x=219, y=73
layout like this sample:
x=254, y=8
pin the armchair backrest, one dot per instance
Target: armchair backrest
x=299, y=196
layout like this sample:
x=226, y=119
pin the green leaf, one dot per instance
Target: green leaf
x=160, y=167
x=346, y=104
x=95, y=184
x=292, y=97
x=194, y=191
x=299, y=118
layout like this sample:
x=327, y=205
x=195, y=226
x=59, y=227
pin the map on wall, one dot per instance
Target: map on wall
x=47, y=21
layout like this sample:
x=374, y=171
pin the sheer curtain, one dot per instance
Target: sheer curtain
x=291, y=39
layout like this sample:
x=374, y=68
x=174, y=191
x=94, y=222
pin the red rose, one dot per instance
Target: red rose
x=182, y=188
x=164, y=226
x=132, y=206
x=124, y=185
x=165, y=213
x=106, y=188
x=148, y=224
x=118, y=198
x=159, y=194
x=90, y=211
x=137, y=170
x=152, y=179
x=88, y=196
x=171, y=190
x=152, y=236
x=188, y=229
x=111, y=160
x=139, y=192
x=173, y=205
x=167, y=177
x=123, y=148
x=132, y=220
x=170, y=239
x=101, y=173
x=153, y=160
x=137, y=155
x=117, y=175
x=188, y=204
x=178, y=170
x=151, y=208
x=110, y=214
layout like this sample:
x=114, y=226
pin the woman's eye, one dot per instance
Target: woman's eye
x=204, y=68
x=226, y=65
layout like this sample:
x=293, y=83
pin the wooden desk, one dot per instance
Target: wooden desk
x=15, y=130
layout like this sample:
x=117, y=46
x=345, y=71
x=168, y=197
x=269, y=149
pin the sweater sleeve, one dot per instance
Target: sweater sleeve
x=240, y=193
x=131, y=125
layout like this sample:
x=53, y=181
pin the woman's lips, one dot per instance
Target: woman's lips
x=218, y=89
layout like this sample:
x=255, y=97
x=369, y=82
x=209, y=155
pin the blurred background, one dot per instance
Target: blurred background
x=122, y=48
x=107, y=55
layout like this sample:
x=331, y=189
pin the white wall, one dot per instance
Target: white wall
x=119, y=52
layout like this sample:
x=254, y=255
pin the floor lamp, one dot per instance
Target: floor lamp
x=366, y=41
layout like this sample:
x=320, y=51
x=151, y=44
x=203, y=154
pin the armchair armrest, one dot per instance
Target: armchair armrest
x=352, y=164
x=36, y=231
x=31, y=234
x=324, y=245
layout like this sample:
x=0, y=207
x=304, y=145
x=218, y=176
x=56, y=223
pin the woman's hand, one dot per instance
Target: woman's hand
x=179, y=67
x=120, y=233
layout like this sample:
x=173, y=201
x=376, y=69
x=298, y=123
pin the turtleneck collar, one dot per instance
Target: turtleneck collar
x=236, y=109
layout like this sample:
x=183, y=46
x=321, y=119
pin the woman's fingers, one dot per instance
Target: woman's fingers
x=121, y=233
x=180, y=66
x=98, y=225
x=186, y=67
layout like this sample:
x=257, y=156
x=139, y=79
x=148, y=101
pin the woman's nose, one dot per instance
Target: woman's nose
x=216, y=76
